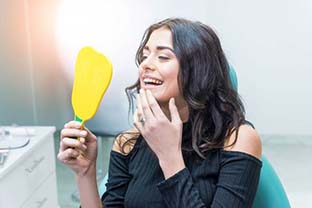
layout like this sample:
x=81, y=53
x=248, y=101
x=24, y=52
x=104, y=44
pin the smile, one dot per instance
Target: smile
x=152, y=81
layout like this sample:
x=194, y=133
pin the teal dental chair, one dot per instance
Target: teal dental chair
x=270, y=193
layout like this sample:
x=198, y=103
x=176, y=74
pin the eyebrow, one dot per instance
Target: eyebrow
x=160, y=48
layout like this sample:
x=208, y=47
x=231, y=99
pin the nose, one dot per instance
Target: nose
x=148, y=64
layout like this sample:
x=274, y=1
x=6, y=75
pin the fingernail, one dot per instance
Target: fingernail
x=82, y=140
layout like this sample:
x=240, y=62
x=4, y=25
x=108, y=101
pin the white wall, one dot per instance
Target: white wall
x=119, y=27
x=15, y=89
x=33, y=88
x=268, y=42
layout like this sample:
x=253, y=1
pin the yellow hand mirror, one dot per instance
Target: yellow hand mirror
x=93, y=73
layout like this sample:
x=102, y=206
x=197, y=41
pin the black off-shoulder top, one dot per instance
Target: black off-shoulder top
x=224, y=179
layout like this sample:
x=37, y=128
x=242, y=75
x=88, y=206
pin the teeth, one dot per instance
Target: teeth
x=154, y=81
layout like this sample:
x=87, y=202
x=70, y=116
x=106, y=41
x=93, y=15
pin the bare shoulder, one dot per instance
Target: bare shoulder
x=125, y=141
x=248, y=141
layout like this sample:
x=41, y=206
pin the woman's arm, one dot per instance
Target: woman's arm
x=163, y=134
x=80, y=155
x=87, y=185
x=248, y=141
x=118, y=171
x=240, y=170
x=238, y=178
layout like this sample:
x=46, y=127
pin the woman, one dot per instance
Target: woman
x=191, y=145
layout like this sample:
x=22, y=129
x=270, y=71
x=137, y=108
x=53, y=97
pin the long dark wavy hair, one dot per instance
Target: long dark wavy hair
x=215, y=109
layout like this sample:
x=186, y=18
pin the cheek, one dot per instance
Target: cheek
x=172, y=85
x=140, y=75
x=173, y=78
x=174, y=89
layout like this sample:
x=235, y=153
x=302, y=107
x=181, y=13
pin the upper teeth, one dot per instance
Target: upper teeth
x=150, y=80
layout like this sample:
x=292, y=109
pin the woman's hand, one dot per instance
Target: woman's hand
x=80, y=155
x=163, y=136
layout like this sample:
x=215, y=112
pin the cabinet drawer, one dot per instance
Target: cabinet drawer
x=29, y=173
x=45, y=196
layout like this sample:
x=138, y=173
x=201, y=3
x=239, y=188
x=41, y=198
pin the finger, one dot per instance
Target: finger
x=73, y=124
x=139, y=110
x=158, y=113
x=74, y=133
x=72, y=143
x=82, y=140
x=63, y=147
x=135, y=116
x=136, y=122
x=147, y=113
x=71, y=161
x=89, y=135
x=68, y=154
x=175, y=117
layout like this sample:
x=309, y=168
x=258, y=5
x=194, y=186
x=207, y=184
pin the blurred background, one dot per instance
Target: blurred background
x=267, y=42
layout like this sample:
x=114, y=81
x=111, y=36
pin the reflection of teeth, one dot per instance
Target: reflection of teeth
x=155, y=81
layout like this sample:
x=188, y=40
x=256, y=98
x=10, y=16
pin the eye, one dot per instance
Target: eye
x=163, y=57
x=143, y=57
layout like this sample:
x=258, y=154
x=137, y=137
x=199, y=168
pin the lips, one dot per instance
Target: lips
x=148, y=80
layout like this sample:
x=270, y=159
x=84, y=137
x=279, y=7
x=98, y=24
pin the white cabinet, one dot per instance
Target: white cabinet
x=28, y=177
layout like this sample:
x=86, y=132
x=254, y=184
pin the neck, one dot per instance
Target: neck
x=182, y=109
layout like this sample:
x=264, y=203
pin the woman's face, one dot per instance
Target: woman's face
x=160, y=67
